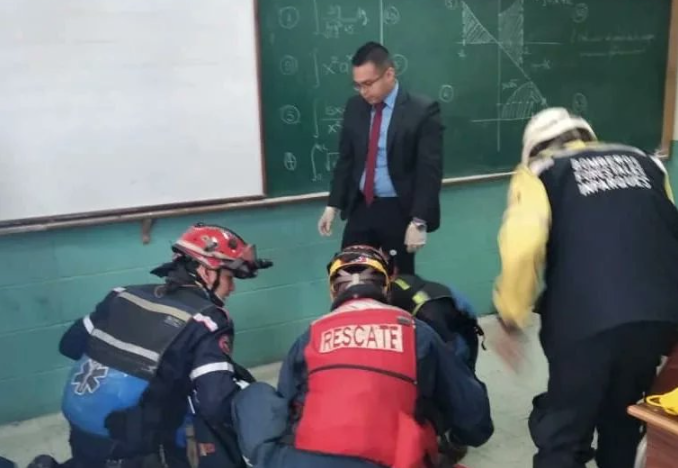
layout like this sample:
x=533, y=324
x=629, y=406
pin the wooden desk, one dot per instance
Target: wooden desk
x=662, y=435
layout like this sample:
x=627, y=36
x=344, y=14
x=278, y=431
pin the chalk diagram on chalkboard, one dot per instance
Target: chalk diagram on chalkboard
x=526, y=99
x=332, y=23
x=330, y=157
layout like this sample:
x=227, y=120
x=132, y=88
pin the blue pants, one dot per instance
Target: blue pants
x=260, y=416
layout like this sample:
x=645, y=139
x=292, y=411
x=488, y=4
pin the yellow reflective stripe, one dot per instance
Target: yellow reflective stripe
x=419, y=299
x=338, y=264
x=403, y=284
x=667, y=187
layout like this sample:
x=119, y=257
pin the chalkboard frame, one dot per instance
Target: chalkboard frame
x=670, y=94
x=147, y=215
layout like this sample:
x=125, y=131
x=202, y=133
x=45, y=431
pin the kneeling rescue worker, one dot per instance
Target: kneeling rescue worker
x=444, y=310
x=146, y=349
x=357, y=388
x=452, y=317
x=602, y=220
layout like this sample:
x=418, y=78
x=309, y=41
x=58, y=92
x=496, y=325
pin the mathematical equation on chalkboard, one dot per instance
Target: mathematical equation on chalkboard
x=522, y=64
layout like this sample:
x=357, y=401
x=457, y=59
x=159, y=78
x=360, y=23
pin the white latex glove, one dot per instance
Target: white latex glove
x=415, y=238
x=325, y=221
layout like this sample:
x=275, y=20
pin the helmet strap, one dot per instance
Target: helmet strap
x=209, y=290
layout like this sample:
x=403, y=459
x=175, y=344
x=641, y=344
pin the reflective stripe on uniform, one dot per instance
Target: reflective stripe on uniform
x=420, y=298
x=116, y=343
x=153, y=307
x=402, y=283
x=88, y=324
x=208, y=368
x=124, y=346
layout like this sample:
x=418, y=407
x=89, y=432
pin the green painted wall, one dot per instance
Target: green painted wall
x=49, y=279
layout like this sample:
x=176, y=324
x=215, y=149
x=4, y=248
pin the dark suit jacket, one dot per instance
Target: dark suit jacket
x=414, y=151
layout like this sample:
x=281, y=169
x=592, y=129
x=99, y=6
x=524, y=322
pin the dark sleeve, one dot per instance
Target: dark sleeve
x=74, y=342
x=456, y=392
x=429, y=167
x=435, y=315
x=213, y=375
x=341, y=176
x=293, y=370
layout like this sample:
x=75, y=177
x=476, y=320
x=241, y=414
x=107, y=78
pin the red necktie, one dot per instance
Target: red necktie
x=370, y=165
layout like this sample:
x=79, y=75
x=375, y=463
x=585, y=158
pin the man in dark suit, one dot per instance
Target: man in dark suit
x=387, y=179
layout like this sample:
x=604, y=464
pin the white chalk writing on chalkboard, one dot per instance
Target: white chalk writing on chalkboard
x=580, y=13
x=452, y=4
x=580, y=104
x=333, y=22
x=446, y=93
x=290, y=115
x=322, y=161
x=333, y=117
x=391, y=15
x=288, y=65
x=288, y=17
x=554, y=2
x=327, y=117
x=401, y=63
x=337, y=66
x=290, y=162
x=543, y=65
x=613, y=53
x=588, y=38
x=511, y=84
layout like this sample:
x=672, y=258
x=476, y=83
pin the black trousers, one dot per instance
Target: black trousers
x=91, y=451
x=382, y=225
x=591, y=384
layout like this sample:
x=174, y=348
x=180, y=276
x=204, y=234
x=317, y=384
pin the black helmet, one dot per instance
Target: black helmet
x=359, y=264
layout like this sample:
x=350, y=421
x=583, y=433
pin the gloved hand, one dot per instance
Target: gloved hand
x=415, y=237
x=325, y=221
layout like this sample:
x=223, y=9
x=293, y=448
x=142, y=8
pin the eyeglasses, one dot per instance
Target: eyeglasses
x=358, y=87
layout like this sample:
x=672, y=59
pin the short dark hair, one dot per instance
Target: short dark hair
x=372, y=52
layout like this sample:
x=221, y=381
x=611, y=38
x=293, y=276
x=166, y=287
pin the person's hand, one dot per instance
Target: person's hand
x=508, y=342
x=415, y=236
x=325, y=221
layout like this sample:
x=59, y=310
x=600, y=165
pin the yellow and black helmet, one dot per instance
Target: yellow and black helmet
x=359, y=264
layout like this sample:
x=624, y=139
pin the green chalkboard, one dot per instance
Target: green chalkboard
x=490, y=63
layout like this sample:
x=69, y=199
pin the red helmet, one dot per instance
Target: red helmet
x=217, y=248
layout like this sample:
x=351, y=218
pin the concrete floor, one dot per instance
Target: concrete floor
x=510, y=393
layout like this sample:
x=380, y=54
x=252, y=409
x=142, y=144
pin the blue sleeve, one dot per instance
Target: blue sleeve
x=213, y=377
x=293, y=370
x=463, y=303
x=74, y=342
x=458, y=393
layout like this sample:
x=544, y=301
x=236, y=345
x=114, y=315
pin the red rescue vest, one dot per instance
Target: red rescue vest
x=362, y=389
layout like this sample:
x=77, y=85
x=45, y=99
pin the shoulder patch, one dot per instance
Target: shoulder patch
x=226, y=344
x=205, y=320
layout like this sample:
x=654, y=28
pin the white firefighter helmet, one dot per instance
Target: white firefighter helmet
x=549, y=124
